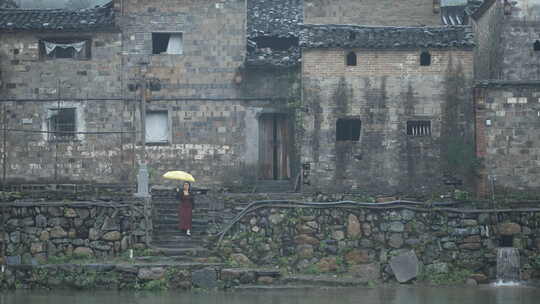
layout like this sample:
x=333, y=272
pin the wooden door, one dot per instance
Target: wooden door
x=274, y=160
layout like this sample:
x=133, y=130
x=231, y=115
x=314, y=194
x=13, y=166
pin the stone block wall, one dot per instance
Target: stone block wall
x=93, y=157
x=214, y=44
x=385, y=90
x=520, y=60
x=26, y=75
x=507, y=119
x=371, y=12
x=33, y=232
x=362, y=242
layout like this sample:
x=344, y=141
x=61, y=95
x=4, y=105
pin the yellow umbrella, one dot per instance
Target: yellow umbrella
x=179, y=175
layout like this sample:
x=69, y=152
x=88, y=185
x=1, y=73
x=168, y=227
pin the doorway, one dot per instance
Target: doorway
x=274, y=147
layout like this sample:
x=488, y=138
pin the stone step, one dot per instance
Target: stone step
x=323, y=280
x=192, y=252
x=184, y=244
x=171, y=224
x=175, y=221
x=177, y=238
x=175, y=231
x=174, y=227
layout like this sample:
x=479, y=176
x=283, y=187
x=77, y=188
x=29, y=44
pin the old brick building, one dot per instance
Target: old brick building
x=507, y=95
x=237, y=91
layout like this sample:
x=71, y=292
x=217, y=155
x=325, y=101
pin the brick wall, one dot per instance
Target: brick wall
x=214, y=44
x=26, y=75
x=371, y=12
x=507, y=135
x=385, y=90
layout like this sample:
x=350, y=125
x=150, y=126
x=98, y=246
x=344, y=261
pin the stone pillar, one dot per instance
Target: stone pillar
x=142, y=181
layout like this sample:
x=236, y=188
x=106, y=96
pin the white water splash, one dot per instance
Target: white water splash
x=508, y=270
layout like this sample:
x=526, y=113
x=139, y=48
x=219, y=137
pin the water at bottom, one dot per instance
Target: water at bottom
x=382, y=295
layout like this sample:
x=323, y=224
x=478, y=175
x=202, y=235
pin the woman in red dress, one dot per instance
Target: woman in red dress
x=185, y=210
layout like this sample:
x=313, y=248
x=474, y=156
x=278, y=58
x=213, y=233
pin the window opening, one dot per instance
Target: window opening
x=348, y=129
x=536, y=45
x=65, y=48
x=167, y=43
x=351, y=59
x=425, y=58
x=62, y=124
x=157, y=127
x=419, y=128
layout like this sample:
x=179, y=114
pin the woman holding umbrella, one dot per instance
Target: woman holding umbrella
x=185, y=210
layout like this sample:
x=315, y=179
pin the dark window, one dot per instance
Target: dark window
x=425, y=58
x=351, y=59
x=419, y=128
x=64, y=48
x=63, y=123
x=348, y=129
x=167, y=43
x=536, y=45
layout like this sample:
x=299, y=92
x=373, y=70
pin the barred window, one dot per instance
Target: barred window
x=419, y=128
x=62, y=124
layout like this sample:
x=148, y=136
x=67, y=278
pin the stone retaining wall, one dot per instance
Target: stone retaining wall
x=31, y=232
x=362, y=240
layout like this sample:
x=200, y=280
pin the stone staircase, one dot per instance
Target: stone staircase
x=167, y=237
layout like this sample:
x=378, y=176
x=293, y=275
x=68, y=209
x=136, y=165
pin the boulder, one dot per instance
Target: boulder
x=57, y=232
x=70, y=212
x=338, y=235
x=405, y=266
x=328, y=264
x=112, y=236
x=306, y=239
x=437, y=268
x=241, y=259
x=265, y=280
x=305, y=251
x=396, y=227
x=41, y=221
x=395, y=240
x=366, y=228
x=470, y=246
x=276, y=218
x=471, y=282
x=480, y=278
x=509, y=228
x=36, y=248
x=83, y=213
x=93, y=234
x=154, y=273
x=472, y=239
x=353, y=227
x=357, y=256
x=205, y=278
x=83, y=251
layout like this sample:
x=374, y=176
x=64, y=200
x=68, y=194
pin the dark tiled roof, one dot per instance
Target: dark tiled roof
x=276, y=20
x=7, y=4
x=350, y=36
x=57, y=20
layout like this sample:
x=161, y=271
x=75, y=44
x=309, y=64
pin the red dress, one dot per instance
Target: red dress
x=185, y=211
